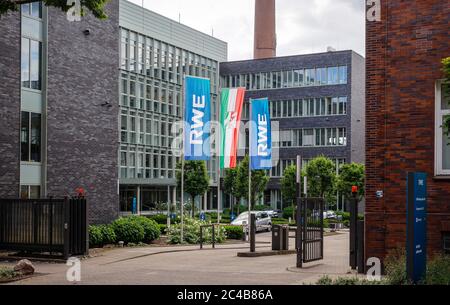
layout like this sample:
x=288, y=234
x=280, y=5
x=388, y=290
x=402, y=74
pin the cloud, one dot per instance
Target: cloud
x=303, y=26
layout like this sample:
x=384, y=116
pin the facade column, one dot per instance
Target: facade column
x=138, y=199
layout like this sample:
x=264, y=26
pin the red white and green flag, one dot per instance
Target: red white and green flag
x=232, y=100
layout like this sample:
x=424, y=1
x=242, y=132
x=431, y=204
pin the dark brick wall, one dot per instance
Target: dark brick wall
x=82, y=134
x=296, y=62
x=9, y=105
x=404, y=52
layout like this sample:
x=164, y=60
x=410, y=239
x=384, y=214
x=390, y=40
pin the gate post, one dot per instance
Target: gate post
x=66, y=209
x=298, y=234
x=360, y=251
x=353, y=229
x=252, y=233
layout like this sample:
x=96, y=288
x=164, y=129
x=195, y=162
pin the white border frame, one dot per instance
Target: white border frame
x=439, y=171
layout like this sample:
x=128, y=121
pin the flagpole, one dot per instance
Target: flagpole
x=249, y=166
x=219, y=150
x=182, y=161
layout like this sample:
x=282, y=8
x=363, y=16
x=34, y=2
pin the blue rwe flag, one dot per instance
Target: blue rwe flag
x=260, y=135
x=198, y=117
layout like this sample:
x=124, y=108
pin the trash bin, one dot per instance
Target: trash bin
x=276, y=237
x=285, y=238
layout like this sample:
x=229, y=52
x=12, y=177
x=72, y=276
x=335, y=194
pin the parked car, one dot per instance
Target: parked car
x=263, y=220
x=329, y=215
x=274, y=213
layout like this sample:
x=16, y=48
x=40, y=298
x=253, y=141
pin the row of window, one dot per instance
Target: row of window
x=278, y=170
x=159, y=60
x=30, y=137
x=309, y=107
x=288, y=79
x=30, y=192
x=308, y=137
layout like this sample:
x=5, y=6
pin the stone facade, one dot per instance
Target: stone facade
x=9, y=105
x=404, y=53
x=83, y=139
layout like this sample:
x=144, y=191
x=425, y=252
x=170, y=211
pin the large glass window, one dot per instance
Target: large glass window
x=30, y=137
x=442, y=137
x=333, y=75
x=343, y=74
x=33, y=9
x=31, y=63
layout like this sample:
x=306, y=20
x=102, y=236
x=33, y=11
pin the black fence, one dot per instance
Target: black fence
x=54, y=226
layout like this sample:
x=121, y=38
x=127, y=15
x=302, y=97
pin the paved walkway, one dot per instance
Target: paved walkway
x=189, y=265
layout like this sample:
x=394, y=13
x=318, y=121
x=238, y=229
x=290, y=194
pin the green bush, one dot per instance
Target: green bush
x=159, y=218
x=438, y=271
x=287, y=212
x=129, y=230
x=162, y=228
x=192, y=232
x=395, y=267
x=346, y=281
x=262, y=208
x=234, y=232
x=151, y=228
x=326, y=223
x=7, y=273
x=101, y=235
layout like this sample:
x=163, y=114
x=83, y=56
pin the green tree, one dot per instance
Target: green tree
x=321, y=173
x=196, y=179
x=96, y=7
x=259, y=182
x=351, y=175
x=289, y=186
x=229, y=183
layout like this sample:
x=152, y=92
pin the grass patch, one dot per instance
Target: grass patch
x=7, y=273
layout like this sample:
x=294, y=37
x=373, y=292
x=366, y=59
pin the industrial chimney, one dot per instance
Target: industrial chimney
x=265, y=43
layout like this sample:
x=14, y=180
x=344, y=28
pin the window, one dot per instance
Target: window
x=30, y=191
x=343, y=74
x=322, y=76
x=308, y=137
x=442, y=139
x=33, y=9
x=31, y=63
x=342, y=105
x=446, y=242
x=310, y=77
x=333, y=75
x=30, y=137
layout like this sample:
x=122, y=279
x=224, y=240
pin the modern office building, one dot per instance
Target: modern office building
x=318, y=101
x=405, y=108
x=156, y=53
x=91, y=104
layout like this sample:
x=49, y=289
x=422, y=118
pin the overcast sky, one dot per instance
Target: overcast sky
x=303, y=26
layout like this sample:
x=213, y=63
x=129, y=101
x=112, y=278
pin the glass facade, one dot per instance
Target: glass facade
x=151, y=106
x=312, y=137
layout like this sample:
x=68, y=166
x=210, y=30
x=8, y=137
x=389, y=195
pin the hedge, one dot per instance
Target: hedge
x=234, y=232
x=101, y=235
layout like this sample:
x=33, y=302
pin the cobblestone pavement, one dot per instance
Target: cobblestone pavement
x=189, y=265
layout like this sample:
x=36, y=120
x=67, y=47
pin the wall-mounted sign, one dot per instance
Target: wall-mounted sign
x=416, y=236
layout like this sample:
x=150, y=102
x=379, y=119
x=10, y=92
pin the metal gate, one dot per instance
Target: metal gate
x=309, y=230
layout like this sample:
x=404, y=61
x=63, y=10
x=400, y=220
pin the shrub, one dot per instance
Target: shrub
x=159, y=218
x=129, y=230
x=95, y=236
x=151, y=228
x=438, y=271
x=101, y=235
x=234, y=232
x=162, y=228
x=287, y=212
x=346, y=281
x=192, y=232
x=8, y=273
x=395, y=267
x=326, y=223
x=262, y=208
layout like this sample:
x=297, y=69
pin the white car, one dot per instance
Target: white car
x=329, y=215
x=263, y=220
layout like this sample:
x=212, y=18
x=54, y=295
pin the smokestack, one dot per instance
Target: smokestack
x=265, y=43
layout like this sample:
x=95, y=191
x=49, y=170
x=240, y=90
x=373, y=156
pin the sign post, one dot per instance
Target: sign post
x=416, y=251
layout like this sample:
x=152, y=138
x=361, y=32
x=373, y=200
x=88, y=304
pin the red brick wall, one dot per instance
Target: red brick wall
x=403, y=57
